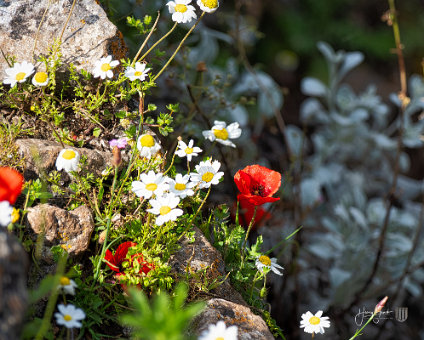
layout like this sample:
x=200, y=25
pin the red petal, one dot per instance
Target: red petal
x=246, y=213
x=270, y=179
x=257, y=200
x=109, y=257
x=243, y=182
x=121, y=252
x=11, y=182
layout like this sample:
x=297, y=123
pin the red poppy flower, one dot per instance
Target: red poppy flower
x=11, y=182
x=257, y=184
x=246, y=210
x=115, y=261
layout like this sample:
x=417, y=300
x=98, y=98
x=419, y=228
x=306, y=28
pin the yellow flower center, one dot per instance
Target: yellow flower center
x=138, y=73
x=221, y=134
x=180, y=186
x=20, y=76
x=40, y=77
x=314, y=320
x=147, y=141
x=64, y=281
x=151, y=186
x=15, y=215
x=265, y=260
x=207, y=176
x=219, y=338
x=210, y=3
x=69, y=154
x=164, y=210
x=188, y=151
x=180, y=8
x=105, y=67
x=67, y=317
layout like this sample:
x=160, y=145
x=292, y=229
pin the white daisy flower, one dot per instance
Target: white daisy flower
x=187, y=150
x=6, y=211
x=147, y=146
x=208, y=6
x=67, y=285
x=18, y=73
x=223, y=133
x=207, y=174
x=219, y=331
x=314, y=323
x=103, y=67
x=67, y=160
x=165, y=207
x=69, y=316
x=181, y=11
x=150, y=184
x=181, y=186
x=139, y=72
x=264, y=262
x=40, y=79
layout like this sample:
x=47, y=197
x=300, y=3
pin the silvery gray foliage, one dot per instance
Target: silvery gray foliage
x=348, y=171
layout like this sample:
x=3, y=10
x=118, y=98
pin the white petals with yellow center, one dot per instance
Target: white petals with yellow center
x=181, y=186
x=265, y=264
x=67, y=160
x=188, y=151
x=150, y=184
x=147, y=146
x=18, y=73
x=139, y=71
x=166, y=208
x=6, y=211
x=207, y=174
x=219, y=331
x=208, y=6
x=40, y=79
x=181, y=11
x=223, y=133
x=69, y=316
x=103, y=67
x=314, y=323
x=67, y=285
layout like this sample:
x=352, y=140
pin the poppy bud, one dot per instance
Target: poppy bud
x=201, y=67
x=380, y=305
x=117, y=159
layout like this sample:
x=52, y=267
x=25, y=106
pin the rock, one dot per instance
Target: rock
x=88, y=36
x=13, y=292
x=201, y=255
x=40, y=155
x=69, y=229
x=250, y=326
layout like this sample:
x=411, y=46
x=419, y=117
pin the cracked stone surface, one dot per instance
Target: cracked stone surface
x=88, y=36
x=69, y=229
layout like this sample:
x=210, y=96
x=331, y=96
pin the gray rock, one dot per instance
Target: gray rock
x=250, y=326
x=69, y=229
x=202, y=256
x=40, y=155
x=88, y=36
x=13, y=292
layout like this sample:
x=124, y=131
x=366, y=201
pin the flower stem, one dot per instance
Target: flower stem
x=358, y=332
x=248, y=232
x=179, y=46
x=145, y=40
x=157, y=42
x=195, y=215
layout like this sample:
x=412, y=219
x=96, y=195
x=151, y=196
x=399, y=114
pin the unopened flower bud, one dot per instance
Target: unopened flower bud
x=380, y=305
x=201, y=67
x=102, y=237
x=117, y=159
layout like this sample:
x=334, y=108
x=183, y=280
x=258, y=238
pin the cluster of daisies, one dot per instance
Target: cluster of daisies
x=183, y=12
x=164, y=193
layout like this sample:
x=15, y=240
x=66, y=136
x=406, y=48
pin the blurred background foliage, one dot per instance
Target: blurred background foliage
x=338, y=151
